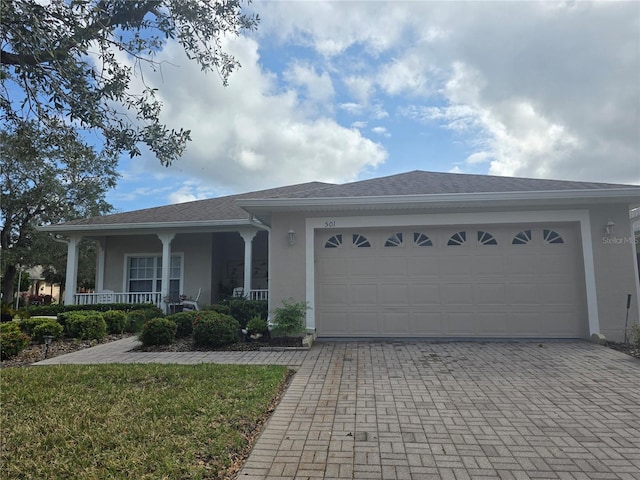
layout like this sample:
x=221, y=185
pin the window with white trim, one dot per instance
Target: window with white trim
x=144, y=274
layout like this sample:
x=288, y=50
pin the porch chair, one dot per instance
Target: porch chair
x=190, y=305
x=105, y=296
x=238, y=292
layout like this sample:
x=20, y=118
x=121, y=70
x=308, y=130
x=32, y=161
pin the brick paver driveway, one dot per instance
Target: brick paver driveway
x=414, y=410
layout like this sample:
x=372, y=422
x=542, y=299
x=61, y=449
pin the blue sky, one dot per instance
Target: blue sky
x=343, y=91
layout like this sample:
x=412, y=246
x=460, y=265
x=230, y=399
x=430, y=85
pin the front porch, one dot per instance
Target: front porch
x=162, y=267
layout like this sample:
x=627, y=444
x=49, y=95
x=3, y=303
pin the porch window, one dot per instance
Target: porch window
x=145, y=275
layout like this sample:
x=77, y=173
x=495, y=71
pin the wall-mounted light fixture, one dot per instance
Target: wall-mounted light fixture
x=609, y=227
x=291, y=236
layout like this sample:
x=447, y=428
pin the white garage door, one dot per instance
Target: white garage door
x=465, y=281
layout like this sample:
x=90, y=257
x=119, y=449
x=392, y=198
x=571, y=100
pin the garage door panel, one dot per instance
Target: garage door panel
x=361, y=266
x=556, y=264
x=525, y=324
x=558, y=293
x=331, y=268
x=492, y=324
x=334, y=295
x=457, y=294
x=427, y=323
x=526, y=263
x=394, y=294
x=420, y=266
x=489, y=294
x=335, y=323
x=395, y=323
x=455, y=265
x=559, y=322
x=362, y=294
x=364, y=323
x=534, y=288
x=488, y=265
x=520, y=294
x=459, y=324
x=424, y=294
x=391, y=267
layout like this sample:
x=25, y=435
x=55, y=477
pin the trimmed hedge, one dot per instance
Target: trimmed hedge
x=54, y=310
x=184, y=322
x=243, y=309
x=158, y=331
x=87, y=325
x=213, y=329
x=12, y=340
x=116, y=321
x=48, y=327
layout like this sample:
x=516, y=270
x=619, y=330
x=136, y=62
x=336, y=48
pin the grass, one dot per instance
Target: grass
x=131, y=421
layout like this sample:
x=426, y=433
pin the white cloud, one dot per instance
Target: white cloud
x=252, y=134
x=382, y=131
x=318, y=87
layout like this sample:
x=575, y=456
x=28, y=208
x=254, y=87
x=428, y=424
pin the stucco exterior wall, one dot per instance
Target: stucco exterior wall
x=287, y=268
x=616, y=276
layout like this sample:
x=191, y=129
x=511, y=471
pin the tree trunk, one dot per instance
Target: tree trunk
x=7, y=284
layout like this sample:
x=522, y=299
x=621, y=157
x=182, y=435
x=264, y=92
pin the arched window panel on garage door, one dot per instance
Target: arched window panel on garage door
x=456, y=239
x=551, y=236
x=359, y=241
x=522, y=238
x=394, y=240
x=485, y=238
x=334, y=242
x=422, y=240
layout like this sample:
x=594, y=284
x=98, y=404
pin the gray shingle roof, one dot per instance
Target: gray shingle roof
x=221, y=208
x=410, y=183
x=430, y=183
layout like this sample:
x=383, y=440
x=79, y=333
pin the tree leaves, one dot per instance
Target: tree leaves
x=60, y=60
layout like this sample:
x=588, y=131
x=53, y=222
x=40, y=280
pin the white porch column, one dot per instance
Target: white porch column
x=72, y=269
x=248, y=236
x=100, y=265
x=166, y=239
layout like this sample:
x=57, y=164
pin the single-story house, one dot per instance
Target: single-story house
x=418, y=254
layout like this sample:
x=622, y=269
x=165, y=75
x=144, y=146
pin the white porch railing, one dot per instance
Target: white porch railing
x=142, y=297
x=262, y=294
x=154, y=298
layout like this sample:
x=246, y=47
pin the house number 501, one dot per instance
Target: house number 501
x=330, y=224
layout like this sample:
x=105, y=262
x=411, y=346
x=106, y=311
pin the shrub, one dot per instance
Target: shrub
x=215, y=329
x=116, y=321
x=636, y=332
x=257, y=325
x=28, y=324
x=151, y=311
x=218, y=308
x=12, y=340
x=48, y=327
x=86, y=325
x=289, y=320
x=135, y=321
x=184, y=322
x=158, y=331
x=243, y=309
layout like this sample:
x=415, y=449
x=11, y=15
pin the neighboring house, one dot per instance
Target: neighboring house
x=418, y=254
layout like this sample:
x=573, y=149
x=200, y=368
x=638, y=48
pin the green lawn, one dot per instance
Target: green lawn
x=131, y=421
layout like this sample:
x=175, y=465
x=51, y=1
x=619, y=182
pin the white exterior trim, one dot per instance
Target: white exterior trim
x=582, y=216
x=615, y=194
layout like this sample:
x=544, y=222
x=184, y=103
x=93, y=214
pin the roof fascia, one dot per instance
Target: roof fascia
x=631, y=194
x=151, y=227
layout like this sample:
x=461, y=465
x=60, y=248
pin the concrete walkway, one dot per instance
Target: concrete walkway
x=420, y=410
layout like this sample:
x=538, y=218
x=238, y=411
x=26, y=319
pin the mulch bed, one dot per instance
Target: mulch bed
x=36, y=351
x=186, y=345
